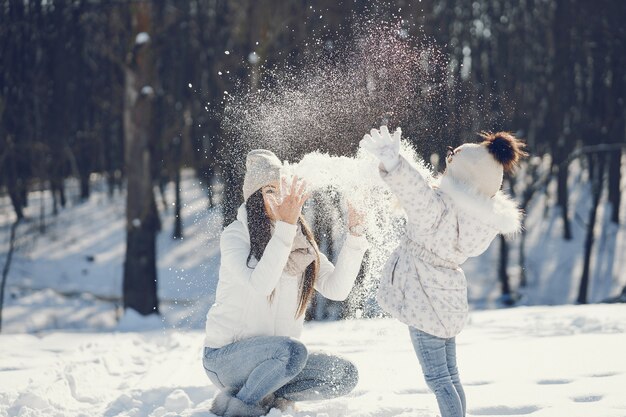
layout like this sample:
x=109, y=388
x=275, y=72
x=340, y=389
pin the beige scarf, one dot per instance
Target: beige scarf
x=302, y=254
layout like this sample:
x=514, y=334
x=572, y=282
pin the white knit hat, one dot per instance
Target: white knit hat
x=474, y=165
x=481, y=165
x=262, y=168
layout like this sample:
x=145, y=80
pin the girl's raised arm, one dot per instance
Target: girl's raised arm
x=419, y=200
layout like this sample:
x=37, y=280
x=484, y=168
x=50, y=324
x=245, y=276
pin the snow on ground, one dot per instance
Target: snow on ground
x=68, y=351
x=81, y=256
x=563, y=361
x=84, y=245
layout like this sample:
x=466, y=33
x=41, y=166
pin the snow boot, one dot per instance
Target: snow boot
x=272, y=401
x=283, y=404
x=225, y=404
x=220, y=402
x=237, y=408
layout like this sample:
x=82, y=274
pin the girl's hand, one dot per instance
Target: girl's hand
x=292, y=198
x=383, y=146
x=355, y=220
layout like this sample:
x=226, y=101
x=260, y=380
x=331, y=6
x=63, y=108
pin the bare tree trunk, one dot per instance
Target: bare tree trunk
x=84, y=186
x=178, y=164
x=559, y=108
x=110, y=184
x=615, y=178
x=55, y=204
x=562, y=200
x=16, y=200
x=57, y=188
x=178, y=226
x=617, y=116
x=15, y=184
x=42, y=211
x=527, y=196
x=503, y=275
x=7, y=265
x=523, y=280
x=140, y=274
x=597, y=174
x=536, y=184
x=207, y=174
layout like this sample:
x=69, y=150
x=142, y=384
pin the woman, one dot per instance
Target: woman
x=270, y=267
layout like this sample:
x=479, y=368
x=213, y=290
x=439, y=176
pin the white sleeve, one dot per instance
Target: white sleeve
x=423, y=206
x=235, y=248
x=336, y=281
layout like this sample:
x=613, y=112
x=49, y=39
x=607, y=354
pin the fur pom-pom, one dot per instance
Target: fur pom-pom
x=505, y=148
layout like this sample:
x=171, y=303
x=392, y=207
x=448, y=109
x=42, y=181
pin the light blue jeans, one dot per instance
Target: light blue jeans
x=438, y=359
x=258, y=366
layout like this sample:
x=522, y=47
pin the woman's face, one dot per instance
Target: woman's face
x=451, y=153
x=269, y=190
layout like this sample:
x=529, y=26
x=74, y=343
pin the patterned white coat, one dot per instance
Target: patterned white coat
x=422, y=284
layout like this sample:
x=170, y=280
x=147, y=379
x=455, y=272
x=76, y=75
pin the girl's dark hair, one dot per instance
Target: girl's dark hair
x=505, y=148
x=259, y=228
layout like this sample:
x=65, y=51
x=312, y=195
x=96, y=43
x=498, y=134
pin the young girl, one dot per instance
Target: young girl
x=422, y=284
x=270, y=267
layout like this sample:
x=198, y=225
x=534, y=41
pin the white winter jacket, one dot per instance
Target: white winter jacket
x=422, y=283
x=242, y=307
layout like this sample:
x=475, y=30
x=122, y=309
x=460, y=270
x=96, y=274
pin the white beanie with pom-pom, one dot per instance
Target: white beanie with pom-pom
x=481, y=166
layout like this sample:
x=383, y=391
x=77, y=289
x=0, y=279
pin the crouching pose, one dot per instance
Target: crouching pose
x=447, y=221
x=270, y=267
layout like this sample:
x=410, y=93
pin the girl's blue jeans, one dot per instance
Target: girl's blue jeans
x=438, y=359
x=256, y=367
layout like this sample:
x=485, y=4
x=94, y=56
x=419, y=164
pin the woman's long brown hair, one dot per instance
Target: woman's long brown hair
x=259, y=228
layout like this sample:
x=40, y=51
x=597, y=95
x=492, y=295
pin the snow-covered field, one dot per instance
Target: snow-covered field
x=71, y=276
x=541, y=361
x=67, y=350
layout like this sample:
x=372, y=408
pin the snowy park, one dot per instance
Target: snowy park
x=345, y=208
x=70, y=351
x=539, y=361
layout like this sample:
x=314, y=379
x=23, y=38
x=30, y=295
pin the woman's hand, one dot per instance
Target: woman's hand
x=355, y=220
x=292, y=198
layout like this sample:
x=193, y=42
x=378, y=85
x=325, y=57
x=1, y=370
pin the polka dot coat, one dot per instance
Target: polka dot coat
x=422, y=283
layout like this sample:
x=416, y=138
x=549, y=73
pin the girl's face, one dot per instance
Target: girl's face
x=268, y=191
